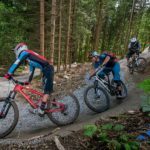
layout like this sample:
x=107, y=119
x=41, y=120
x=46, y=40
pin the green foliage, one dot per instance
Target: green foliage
x=114, y=145
x=145, y=85
x=107, y=126
x=120, y=140
x=19, y=21
x=134, y=145
x=103, y=136
x=118, y=127
x=124, y=138
x=89, y=130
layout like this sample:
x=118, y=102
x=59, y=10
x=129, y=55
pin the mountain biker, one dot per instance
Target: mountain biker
x=35, y=61
x=109, y=63
x=133, y=47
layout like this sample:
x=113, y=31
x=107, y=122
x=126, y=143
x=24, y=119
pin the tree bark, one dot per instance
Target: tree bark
x=60, y=34
x=68, y=35
x=129, y=27
x=52, y=36
x=98, y=25
x=42, y=33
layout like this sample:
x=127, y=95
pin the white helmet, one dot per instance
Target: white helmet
x=133, y=39
x=19, y=48
x=94, y=54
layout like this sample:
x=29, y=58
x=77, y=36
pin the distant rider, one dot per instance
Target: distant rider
x=133, y=47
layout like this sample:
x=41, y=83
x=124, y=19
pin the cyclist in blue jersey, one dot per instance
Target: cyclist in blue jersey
x=109, y=63
x=35, y=61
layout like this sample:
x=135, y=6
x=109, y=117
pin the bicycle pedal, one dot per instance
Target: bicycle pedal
x=37, y=112
x=33, y=111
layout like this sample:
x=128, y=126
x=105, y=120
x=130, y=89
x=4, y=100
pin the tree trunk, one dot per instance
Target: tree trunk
x=68, y=35
x=52, y=36
x=60, y=34
x=98, y=25
x=42, y=33
x=72, y=24
x=129, y=27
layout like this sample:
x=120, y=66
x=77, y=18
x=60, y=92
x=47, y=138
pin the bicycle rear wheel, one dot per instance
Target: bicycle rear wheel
x=124, y=90
x=67, y=116
x=96, y=98
x=140, y=64
x=9, y=122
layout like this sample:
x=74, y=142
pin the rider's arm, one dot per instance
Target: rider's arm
x=32, y=69
x=17, y=63
x=129, y=46
x=106, y=60
x=33, y=65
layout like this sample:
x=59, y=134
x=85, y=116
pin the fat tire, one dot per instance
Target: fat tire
x=125, y=89
x=16, y=117
x=71, y=120
x=144, y=66
x=89, y=104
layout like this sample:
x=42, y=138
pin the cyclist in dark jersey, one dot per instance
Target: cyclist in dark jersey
x=109, y=63
x=133, y=47
x=35, y=61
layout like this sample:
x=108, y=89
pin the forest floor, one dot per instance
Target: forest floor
x=70, y=81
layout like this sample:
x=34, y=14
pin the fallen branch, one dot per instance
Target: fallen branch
x=45, y=135
x=58, y=144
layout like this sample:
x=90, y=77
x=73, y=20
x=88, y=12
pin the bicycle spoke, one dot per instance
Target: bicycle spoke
x=96, y=99
x=8, y=123
x=69, y=114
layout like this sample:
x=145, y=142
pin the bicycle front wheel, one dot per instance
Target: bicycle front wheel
x=140, y=64
x=96, y=98
x=69, y=115
x=9, y=119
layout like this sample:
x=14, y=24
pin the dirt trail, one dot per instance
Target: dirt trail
x=31, y=126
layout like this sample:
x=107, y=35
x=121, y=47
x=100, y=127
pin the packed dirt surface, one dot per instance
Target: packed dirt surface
x=35, y=132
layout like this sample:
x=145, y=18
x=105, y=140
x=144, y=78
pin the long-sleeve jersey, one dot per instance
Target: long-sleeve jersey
x=102, y=57
x=134, y=46
x=35, y=61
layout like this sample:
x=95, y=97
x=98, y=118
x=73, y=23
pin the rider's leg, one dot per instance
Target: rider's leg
x=103, y=72
x=128, y=57
x=116, y=73
x=48, y=87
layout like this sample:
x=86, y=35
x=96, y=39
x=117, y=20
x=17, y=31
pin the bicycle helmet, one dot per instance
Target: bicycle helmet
x=19, y=48
x=94, y=54
x=133, y=40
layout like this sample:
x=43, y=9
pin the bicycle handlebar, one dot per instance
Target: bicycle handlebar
x=19, y=82
x=95, y=72
x=99, y=69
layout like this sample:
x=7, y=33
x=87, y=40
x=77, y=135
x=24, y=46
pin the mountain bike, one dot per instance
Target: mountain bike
x=60, y=112
x=97, y=97
x=137, y=63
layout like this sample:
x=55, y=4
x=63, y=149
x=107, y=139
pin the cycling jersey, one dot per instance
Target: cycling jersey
x=134, y=46
x=102, y=57
x=33, y=58
x=35, y=61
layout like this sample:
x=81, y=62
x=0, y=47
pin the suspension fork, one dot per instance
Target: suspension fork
x=7, y=104
x=109, y=84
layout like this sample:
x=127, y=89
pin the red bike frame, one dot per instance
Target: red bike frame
x=20, y=89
